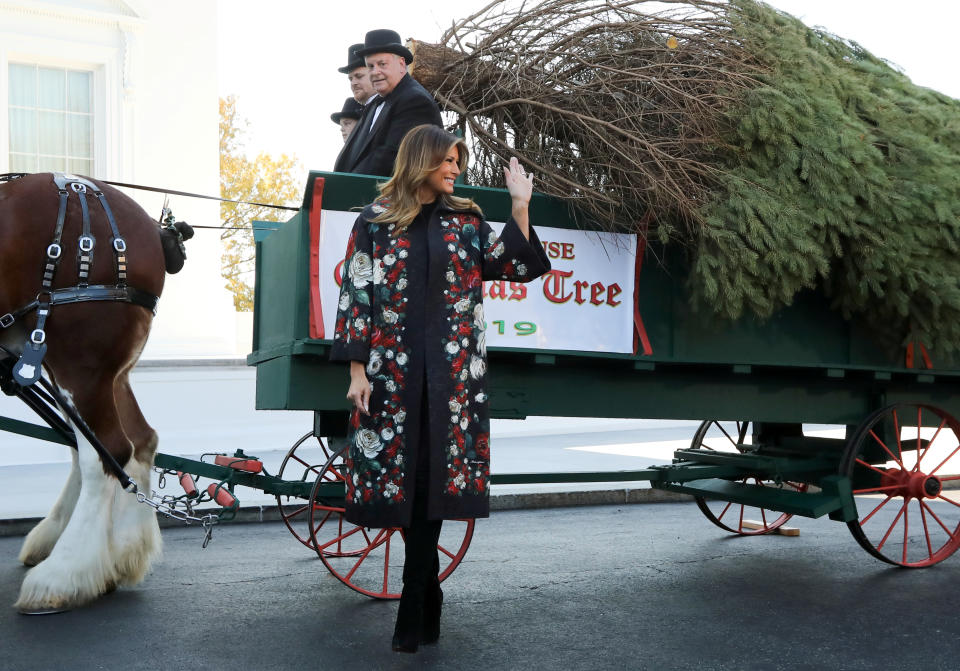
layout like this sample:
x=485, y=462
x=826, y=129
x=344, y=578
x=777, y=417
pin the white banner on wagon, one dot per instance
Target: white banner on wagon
x=585, y=303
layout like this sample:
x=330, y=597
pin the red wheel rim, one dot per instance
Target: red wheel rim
x=734, y=437
x=904, y=463
x=303, y=462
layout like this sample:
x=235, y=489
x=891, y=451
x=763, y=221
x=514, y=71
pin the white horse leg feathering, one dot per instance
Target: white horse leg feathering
x=80, y=568
x=136, y=540
x=40, y=541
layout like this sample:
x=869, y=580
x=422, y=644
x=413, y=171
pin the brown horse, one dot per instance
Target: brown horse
x=96, y=537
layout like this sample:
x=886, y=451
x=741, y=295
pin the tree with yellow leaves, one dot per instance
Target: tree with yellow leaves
x=264, y=179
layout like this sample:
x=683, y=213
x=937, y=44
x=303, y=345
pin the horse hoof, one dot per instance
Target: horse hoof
x=43, y=611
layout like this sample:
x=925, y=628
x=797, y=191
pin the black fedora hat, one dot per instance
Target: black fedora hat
x=351, y=110
x=354, y=60
x=385, y=41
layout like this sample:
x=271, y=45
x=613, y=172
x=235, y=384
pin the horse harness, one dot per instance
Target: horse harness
x=19, y=378
x=26, y=371
x=23, y=379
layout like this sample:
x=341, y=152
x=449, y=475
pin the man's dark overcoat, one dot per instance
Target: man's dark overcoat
x=411, y=308
x=373, y=153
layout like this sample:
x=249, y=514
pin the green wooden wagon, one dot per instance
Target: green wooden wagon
x=887, y=471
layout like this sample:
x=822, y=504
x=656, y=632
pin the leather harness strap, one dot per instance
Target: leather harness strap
x=55, y=251
x=86, y=242
x=119, y=244
x=95, y=292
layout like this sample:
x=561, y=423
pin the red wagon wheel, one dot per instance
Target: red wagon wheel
x=367, y=560
x=735, y=517
x=903, y=462
x=304, y=462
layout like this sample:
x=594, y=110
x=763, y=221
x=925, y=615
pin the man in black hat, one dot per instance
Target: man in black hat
x=357, y=74
x=401, y=104
x=347, y=117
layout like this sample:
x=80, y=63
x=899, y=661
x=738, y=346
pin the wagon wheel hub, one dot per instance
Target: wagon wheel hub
x=915, y=485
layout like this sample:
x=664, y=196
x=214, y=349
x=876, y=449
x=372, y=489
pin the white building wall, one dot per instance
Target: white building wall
x=156, y=123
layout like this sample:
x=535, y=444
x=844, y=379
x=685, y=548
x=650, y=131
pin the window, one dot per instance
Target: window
x=51, y=119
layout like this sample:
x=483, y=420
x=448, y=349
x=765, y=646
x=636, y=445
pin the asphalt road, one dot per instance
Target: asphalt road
x=631, y=587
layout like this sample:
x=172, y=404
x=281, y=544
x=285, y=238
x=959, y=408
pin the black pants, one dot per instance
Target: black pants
x=421, y=560
x=419, y=611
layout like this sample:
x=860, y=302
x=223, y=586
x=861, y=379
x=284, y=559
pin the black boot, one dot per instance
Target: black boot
x=420, y=560
x=406, y=632
x=432, y=606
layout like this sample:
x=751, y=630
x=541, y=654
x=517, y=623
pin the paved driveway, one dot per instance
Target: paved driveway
x=631, y=587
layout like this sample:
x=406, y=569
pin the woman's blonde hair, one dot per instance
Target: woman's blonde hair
x=422, y=151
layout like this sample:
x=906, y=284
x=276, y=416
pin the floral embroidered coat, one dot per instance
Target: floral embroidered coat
x=411, y=308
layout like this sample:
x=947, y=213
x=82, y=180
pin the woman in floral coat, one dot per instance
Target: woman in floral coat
x=410, y=321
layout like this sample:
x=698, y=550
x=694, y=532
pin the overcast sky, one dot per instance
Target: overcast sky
x=281, y=58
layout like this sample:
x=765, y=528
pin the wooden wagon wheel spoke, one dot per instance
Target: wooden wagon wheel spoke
x=742, y=432
x=925, y=506
x=890, y=530
x=365, y=554
x=297, y=512
x=929, y=445
x=871, y=467
x=877, y=509
x=919, y=428
x=896, y=433
x=386, y=566
x=720, y=426
x=934, y=471
x=869, y=490
x=906, y=529
x=339, y=538
x=926, y=531
x=310, y=467
x=950, y=501
x=887, y=449
x=884, y=528
x=326, y=517
x=724, y=511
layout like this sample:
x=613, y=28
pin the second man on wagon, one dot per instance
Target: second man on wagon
x=401, y=104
